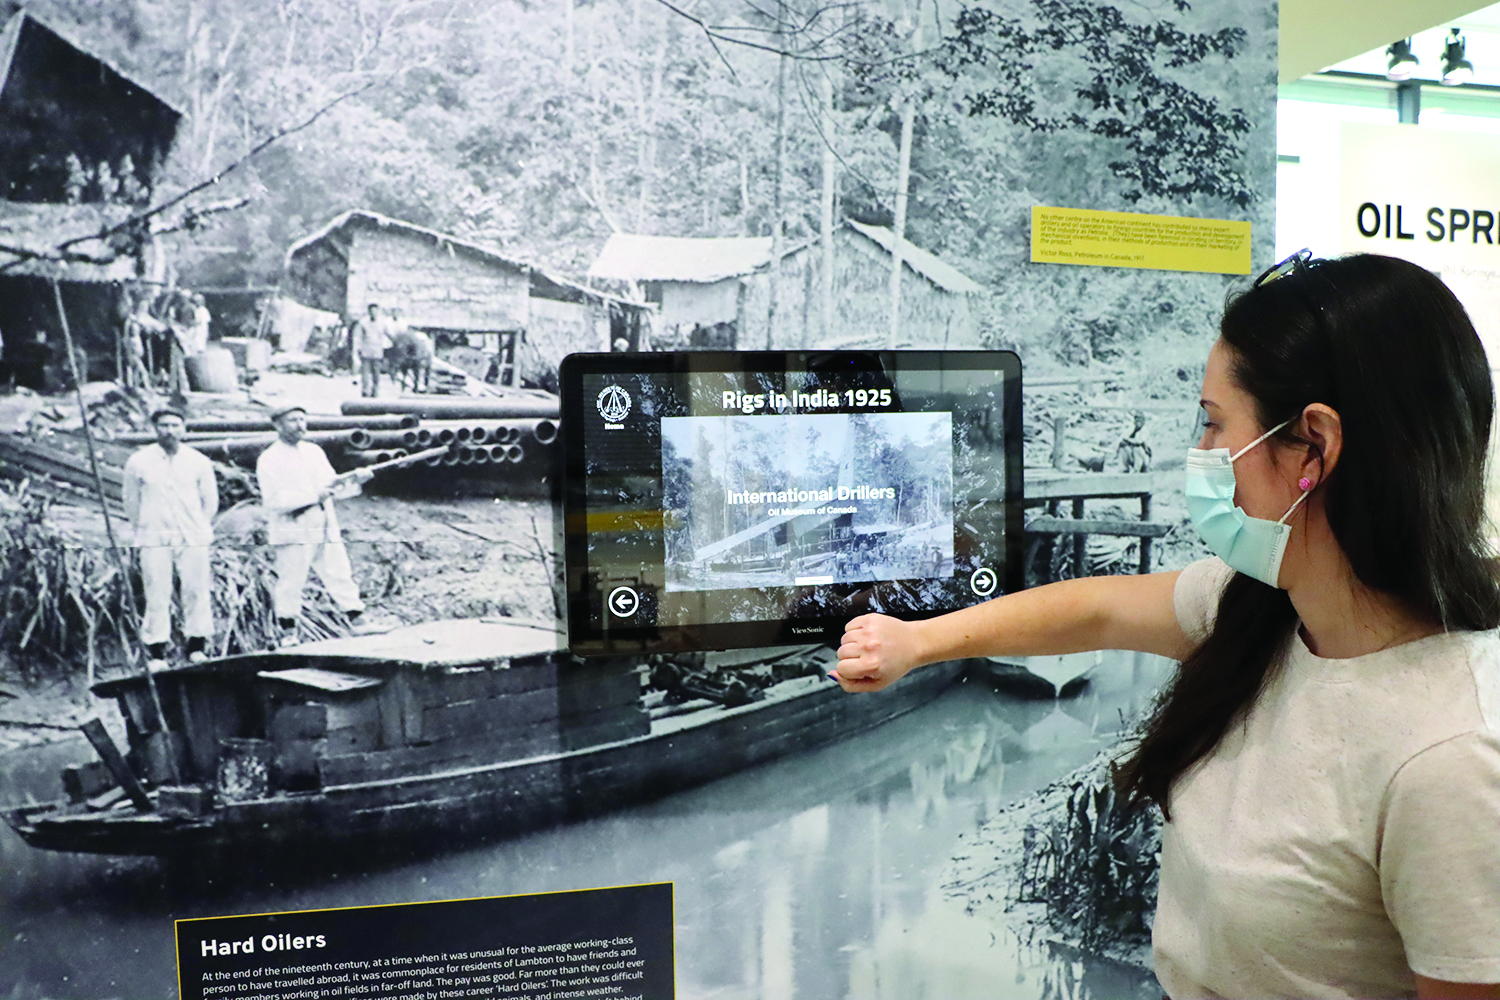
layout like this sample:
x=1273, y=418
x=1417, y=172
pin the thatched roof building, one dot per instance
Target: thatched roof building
x=715, y=292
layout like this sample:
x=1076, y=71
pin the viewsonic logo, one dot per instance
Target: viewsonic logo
x=806, y=630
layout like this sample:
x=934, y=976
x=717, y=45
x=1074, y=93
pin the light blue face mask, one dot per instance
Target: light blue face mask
x=1252, y=545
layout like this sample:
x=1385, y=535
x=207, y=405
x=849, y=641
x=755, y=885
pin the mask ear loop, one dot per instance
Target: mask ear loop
x=1305, y=493
x=1258, y=440
x=1290, y=510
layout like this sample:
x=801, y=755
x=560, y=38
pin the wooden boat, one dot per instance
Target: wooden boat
x=466, y=728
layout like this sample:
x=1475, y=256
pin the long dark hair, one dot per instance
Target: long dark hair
x=1388, y=346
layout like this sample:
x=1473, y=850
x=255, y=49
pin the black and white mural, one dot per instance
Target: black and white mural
x=398, y=216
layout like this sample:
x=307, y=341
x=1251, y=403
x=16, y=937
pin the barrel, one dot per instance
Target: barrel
x=249, y=353
x=212, y=370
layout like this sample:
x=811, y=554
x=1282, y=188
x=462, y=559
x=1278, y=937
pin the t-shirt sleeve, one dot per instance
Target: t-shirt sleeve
x=1440, y=859
x=1195, y=598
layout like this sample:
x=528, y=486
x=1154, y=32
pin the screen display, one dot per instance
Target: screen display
x=723, y=500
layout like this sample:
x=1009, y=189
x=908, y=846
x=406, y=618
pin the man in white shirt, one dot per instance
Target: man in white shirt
x=372, y=338
x=298, y=487
x=194, y=333
x=170, y=499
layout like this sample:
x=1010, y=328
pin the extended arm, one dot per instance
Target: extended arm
x=1439, y=989
x=1101, y=612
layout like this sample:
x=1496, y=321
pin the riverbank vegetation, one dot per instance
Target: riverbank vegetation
x=1070, y=860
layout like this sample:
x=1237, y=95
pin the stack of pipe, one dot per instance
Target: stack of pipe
x=479, y=431
x=219, y=430
x=485, y=431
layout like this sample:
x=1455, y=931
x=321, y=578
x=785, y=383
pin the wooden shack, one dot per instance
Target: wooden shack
x=715, y=293
x=80, y=144
x=523, y=319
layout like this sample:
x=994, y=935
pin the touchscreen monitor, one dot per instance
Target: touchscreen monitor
x=717, y=500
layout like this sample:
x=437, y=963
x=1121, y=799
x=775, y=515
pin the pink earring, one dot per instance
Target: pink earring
x=1304, y=484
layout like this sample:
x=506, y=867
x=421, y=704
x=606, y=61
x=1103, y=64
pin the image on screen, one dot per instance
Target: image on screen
x=783, y=500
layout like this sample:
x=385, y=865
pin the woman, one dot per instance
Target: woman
x=1328, y=755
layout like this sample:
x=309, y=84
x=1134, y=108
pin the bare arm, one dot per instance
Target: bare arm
x=1101, y=612
x=1438, y=989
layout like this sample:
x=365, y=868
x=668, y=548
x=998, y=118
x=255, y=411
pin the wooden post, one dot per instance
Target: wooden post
x=109, y=530
x=94, y=730
x=1080, y=543
x=1059, y=442
x=1145, y=566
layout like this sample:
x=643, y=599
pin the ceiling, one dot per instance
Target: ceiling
x=1316, y=34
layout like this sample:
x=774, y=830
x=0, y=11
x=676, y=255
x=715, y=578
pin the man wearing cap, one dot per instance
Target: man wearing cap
x=170, y=499
x=298, y=487
x=372, y=338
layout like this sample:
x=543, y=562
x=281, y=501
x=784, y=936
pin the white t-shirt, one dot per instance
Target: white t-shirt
x=1347, y=834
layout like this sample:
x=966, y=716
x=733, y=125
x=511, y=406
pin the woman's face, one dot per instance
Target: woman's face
x=1265, y=478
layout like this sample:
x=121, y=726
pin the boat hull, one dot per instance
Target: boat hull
x=497, y=798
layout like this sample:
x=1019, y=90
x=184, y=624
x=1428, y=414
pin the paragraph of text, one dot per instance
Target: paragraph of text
x=616, y=948
x=1125, y=239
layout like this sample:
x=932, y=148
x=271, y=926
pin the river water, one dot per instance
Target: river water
x=815, y=877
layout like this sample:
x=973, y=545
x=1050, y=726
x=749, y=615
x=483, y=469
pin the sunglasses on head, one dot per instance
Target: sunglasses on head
x=1296, y=262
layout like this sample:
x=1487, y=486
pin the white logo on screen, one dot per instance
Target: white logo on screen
x=613, y=403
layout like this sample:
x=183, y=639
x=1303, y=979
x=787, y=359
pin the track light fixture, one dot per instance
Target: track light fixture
x=1400, y=62
x=1456, y=69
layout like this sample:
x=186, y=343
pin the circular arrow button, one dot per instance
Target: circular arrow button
x=983, y=582
x=624, y=601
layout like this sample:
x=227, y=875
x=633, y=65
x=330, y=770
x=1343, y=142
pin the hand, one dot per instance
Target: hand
x=877, y=651
x=325, y=494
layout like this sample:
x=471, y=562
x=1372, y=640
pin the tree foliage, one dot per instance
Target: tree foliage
x=1181, y=142
x=542, y=126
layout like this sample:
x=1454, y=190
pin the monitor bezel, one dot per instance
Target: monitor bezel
x=585, y=639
